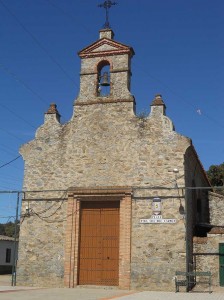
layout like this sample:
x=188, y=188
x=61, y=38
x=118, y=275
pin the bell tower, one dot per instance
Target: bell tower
x=105, y=75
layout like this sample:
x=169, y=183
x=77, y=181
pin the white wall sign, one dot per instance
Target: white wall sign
x=157, y=221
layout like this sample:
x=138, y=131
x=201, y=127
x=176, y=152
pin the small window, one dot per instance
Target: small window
x=8, y=255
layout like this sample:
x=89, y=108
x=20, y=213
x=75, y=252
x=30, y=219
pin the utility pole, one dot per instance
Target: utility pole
x=15, y=243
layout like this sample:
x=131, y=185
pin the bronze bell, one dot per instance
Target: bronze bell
x=105, y=79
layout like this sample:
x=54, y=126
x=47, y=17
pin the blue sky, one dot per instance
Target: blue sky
x=179, y=53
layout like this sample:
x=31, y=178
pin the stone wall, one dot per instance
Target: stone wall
x=105, y=145
x=216, y=209
x=158, y=250
x=41, y=244
x=194, y=177
x=206, y=250
x=206, y=255
x=119, y=72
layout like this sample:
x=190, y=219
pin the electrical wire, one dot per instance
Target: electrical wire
x=143, y=70
x=46, y=218
x=13, y=166
x=9, y=148
x=11, y=161
x=24, y=84
x=13, y=135
x=68, y=15
x=15, y=114
x=12, y=178
x=186, y=101
x=169, y=181
x=14, y=76
x=55, y=221
x=37, y=41
x=47, y=209
x=7, y=151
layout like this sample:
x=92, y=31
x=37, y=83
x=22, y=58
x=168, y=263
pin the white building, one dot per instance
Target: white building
x=7, y=253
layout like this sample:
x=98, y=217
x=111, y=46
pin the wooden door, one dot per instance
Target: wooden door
x=99, y=243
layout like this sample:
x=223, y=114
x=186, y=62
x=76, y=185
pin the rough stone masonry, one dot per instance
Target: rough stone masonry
x=106, y=146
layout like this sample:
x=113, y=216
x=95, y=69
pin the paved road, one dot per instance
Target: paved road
x=60, y=294
x=24, y=293
x=20, y=293
x=173, y=296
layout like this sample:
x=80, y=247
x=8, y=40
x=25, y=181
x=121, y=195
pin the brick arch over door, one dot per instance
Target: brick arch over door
x=77, y=196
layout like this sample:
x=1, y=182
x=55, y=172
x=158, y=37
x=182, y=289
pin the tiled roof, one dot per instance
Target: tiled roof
x=53, y=109
x=157, y=101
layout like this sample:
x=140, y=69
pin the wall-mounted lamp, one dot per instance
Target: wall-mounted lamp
x=27, y=211
x=181, y=209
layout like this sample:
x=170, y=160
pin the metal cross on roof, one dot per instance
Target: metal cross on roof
x=107, y=5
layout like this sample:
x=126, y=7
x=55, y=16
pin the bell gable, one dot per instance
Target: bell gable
x=105, y=46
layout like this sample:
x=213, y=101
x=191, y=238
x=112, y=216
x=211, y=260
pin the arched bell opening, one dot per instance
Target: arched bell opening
x=103, y=82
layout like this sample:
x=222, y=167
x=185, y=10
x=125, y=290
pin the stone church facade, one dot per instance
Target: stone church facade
x=105, y=199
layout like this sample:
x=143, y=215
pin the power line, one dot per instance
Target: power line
x=13, y=166
x=37, y=42
x=62, y=199
x=10, y=151
x=179, y=97
x=13, y=135
x=68, y=15
x=14, y=76
x=10, y=178
x=164, y=84
x=8, y=185
x=7, y=147
x=6, y=164
x=115, y=188
x=15, y=114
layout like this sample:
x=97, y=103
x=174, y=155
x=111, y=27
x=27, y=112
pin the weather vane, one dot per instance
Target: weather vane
x=107, y=5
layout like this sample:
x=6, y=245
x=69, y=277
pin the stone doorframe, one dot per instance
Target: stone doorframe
x=75, y=196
